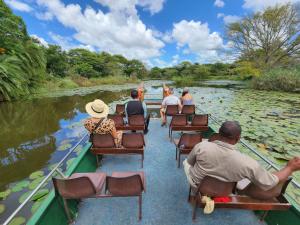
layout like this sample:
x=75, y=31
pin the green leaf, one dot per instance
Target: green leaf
x=36, y=174
x=35, y=183
x=20, y=185
x=41, y=193
x=18, y=221
x=4, y=194
x=2, y=208
x=24, y=196
x=64, y=147
x=35, y=206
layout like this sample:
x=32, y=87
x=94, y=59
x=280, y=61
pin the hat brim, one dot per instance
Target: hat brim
x=92, y=113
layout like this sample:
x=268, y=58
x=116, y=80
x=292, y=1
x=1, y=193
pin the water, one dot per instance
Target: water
x=36, y=134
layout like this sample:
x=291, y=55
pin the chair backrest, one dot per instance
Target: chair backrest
x=103, y=141
x=188, y=109
x=200, y=120
x=136, y=120
x=214, y=137
x=133, y=140
x=189, y=140
x=118, y=119
x=214, y=187
x=255, y=192
x=172, y=110
x=120, y=109
x=179, y=120
x=124, y=186
x=74, y=188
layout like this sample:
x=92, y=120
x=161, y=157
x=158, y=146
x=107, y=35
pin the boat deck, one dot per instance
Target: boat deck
x=165, y=200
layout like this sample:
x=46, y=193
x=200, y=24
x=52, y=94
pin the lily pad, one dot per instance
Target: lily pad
x=36, y=174
x=64, y=147
x=20, y=185
x=18, y=221
x=69, y=162
x=35, y=183
x=40, y=194
x=4, y=194
x=35, y=206
x=2, y=208
x=24, y=196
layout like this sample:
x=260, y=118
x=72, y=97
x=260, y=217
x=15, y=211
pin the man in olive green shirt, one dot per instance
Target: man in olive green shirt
x=221, y=160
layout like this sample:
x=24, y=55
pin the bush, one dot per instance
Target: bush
x=278, y=79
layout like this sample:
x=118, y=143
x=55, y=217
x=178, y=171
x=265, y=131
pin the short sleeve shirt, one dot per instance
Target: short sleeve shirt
x=221, y=160
x=106, y=126
x=171, y=100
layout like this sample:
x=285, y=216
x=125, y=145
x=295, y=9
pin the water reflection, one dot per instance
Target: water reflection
x=31, y=131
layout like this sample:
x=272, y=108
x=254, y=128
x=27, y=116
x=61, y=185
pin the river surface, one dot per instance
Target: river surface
x=35, y=134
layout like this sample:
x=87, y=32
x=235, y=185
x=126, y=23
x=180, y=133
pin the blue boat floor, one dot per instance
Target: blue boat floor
x=165, y=200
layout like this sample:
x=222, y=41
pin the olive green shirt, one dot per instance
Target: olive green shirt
x=222, y=161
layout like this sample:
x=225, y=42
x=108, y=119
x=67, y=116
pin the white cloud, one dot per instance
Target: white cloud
x=44, y=16
x=257, y=5
x=119, y=31
x=219, y=3
x=229, y=18
x=41, y=40
x=18, y=5
x=66, y=43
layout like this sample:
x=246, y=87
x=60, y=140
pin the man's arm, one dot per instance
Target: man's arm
x=126, y=112
x=292, y=166
x=145, y=109
x=191, y=158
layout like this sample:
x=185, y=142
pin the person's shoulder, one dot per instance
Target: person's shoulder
x=205, y=145
x=88, y=120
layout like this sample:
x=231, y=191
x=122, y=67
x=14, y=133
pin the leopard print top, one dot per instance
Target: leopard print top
x=105, y=127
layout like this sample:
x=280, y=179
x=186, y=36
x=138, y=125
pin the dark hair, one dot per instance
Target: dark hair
x=184, y=93
x=230, y=129
x=134, y=94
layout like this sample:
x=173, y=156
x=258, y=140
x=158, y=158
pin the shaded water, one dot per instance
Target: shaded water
x=36, y=134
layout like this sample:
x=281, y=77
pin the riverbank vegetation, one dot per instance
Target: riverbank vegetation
x=268, y=45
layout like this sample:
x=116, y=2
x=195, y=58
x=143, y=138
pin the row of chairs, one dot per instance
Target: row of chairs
x=101, y=185
x=135, y=122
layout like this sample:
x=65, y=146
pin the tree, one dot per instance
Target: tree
x=56, y=61
x=267, y=38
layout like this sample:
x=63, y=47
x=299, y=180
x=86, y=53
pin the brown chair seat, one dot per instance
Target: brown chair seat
x=172, y=110
x=128, y=174
x=97, y=179
x=118, y=119
x=188, y=109
x=120, y=109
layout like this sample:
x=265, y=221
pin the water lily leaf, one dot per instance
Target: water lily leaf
x=20, y=185
x=69, y=162
x=35, y=206
x=4, y=194
x=36, y=174
x=24, y=196
x=41, y=193
x=35, y=183
x=51, y=167
x=2, y=208
x=262, y=147
x=64, y=147
x=18, y=221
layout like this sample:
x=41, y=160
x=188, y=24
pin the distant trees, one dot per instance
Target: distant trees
x=268, y=38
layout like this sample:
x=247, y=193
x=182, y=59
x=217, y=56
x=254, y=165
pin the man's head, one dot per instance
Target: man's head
x=134, y=94
x=230, y=131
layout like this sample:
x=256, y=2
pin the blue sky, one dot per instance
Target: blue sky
x=158, y=32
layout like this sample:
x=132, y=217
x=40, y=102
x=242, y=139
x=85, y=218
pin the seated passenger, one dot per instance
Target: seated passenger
x=141, y=92
x=221, y=160
x=186, y=98
x=137, y=107
x=169, y=100
x=98, y=123
x=166, y=91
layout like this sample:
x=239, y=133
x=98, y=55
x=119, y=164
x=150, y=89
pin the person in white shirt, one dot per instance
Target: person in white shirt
x=169, y=100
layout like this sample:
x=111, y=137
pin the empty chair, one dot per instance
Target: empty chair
x=124, y=184
x=177, y=122
x=185, y=144
x=200, y=120
x=120, y=109
x=188, y=109
x=77, y=186
x=258, y=200
x=118, y=119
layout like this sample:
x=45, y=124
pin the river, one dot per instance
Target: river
x=35, y=134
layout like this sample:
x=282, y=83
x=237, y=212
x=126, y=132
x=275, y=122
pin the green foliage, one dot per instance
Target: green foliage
x=245, y=70
x=278, y=79
x=57, y=63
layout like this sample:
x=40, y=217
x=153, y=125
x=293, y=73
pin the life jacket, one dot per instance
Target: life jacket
x=134, y=108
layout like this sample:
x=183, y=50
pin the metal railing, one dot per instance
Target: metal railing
x=244, y=143
x=55, y=169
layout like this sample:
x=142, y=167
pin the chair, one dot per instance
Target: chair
x=188, y=109
x=124, y=184
x=264, y=200
x=90, y=185
x=185, y=144
x=120, y=109
x=199, y=123
x=118, y=119
x=132, y=143
x=77, y=186
x=172, y=110
x=177, y=121
x=136, y=122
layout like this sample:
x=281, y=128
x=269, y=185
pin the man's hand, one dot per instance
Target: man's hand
x=294, y=164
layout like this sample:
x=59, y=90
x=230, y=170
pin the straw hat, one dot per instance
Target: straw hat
x=97, y=109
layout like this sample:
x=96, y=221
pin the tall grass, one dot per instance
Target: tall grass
x=278, y=79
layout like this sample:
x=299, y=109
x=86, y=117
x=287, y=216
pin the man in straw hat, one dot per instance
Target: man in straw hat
x=98, y=122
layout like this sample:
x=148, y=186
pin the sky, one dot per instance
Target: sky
x=160, y=33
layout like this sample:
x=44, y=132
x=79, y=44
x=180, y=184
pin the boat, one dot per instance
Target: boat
x=167, y=188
